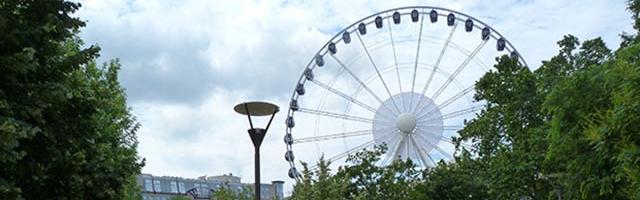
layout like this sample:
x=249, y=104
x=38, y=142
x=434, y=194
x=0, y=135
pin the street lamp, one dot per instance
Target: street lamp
x=257, y=134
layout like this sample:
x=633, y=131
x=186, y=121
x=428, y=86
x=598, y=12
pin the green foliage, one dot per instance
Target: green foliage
x=634, y=8
x=462, y=180
x=181, y=198
x=627, y=39
x=132, y=191
x=226, y=193
x=223, y=193
x=247, y=193
x=540, y=134
x=319, y=183
x=507, y=131
x=65, y=129
x=366, y=180
x=595, y=115
x=362, y=179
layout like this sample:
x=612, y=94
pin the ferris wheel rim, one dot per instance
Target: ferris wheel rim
x=494, y=34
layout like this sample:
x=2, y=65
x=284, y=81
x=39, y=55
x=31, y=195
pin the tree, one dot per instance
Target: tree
x=463, y=179
x=540, y=133
x=226, y=193
x=593, y=129
x=366, y=180
x=223, y=193
x=132, y=191
x=360, y=179
x=565, y=129
x=65, y=129
x=627, y=39
x=509, y=143
x=247, y=193
x=319, y=183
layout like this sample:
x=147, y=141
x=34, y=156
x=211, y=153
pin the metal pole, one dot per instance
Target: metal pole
x=257, y=173
x=257, y=135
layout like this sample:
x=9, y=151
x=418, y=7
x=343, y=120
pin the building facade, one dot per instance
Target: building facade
x=167, y=187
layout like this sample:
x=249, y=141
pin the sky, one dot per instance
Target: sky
x=185, y=64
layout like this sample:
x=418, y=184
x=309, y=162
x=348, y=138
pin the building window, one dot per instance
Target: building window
x=205, y=189
x=197, y=187
x=181, y=187
x=147, y=185
x=174, y=187
x=156, y=185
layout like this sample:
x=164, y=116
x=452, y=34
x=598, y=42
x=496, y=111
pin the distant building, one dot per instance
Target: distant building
x=167, y=187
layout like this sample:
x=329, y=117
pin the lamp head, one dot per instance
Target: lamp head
x=256, y=108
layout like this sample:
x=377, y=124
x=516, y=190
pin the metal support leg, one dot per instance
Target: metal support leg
x=257, y=173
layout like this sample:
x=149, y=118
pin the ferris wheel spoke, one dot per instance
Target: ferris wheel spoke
x=397, y=147
x=377, y=71
x=445, y=127
x=335, y=115
x=459, y=69
x=395, y=57
x=343, y=95
x=361, y=83
x=419, y=151
x=444, y=49
x=448, y=140
x=456, y=97
x=420, y=159
x=415, y=65
x=442, y=151
x=346, y=153
x=421, y=116
x=429, y=133
x=460, y=112
x=388, y=155
x=421, y=148
x=440, y=56
x=430, y=158
x=333, y=136
x=452, y=128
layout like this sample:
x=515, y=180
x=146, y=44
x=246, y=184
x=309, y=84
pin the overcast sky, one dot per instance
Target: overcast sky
x=185, y=64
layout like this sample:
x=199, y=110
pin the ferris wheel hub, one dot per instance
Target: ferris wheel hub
x=406, y=122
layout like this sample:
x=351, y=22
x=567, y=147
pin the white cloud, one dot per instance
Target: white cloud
x=187, y=63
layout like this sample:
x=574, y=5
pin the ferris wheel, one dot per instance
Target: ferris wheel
x=403, y=77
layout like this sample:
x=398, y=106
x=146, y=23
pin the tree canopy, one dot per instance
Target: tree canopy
x=65, y=128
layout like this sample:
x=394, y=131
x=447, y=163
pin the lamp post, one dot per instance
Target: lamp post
x=257, y=134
